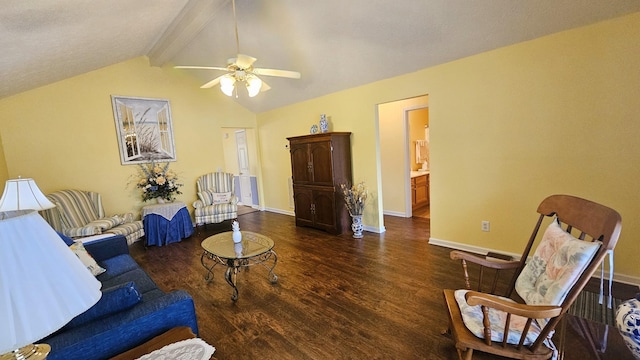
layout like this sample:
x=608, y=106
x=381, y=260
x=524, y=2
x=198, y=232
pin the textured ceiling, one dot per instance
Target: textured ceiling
x=335, y=44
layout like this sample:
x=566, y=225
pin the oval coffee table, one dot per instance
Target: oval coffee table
x=254, y=249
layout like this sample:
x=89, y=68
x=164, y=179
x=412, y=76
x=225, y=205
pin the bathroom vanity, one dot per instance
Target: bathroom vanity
x=419, y=189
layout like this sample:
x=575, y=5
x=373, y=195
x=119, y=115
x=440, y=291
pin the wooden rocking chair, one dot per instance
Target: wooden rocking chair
x=521, y=324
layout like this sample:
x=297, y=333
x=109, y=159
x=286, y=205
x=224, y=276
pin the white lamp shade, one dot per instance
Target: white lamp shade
x=227, y=83
x=22, y=194
x=253, y=85
x=43, y=284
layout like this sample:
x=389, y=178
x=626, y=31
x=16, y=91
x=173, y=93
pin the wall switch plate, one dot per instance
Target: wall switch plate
x=485, y=226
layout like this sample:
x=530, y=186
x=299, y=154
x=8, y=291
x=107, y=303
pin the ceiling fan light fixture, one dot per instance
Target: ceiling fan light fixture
x=240, y=70
x=254, y=84
x=227, y=84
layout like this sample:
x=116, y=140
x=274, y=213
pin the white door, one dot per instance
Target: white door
x=243, y=164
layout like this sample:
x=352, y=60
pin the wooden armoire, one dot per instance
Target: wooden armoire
x=319, y=164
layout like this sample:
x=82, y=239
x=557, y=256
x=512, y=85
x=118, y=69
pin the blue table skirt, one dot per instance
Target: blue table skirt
x=160, y=231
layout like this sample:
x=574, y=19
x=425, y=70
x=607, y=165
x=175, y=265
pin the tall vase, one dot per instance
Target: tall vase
x=356, y=226
x=628, y=323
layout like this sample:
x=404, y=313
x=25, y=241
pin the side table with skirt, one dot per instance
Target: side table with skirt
x=166, y=223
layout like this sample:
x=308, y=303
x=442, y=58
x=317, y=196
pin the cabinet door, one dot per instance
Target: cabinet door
x=300, y=164
x=325, y=211
x=321, y=163
x=422, y=194
x=303, y=202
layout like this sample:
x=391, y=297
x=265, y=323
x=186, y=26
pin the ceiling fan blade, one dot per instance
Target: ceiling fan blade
x=212, y=83
x=264, y=87
x=200, y=67
x=275, y=72
x=244, y=61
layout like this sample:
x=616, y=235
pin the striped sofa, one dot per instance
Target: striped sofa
x=217, y=201
x=80, y=213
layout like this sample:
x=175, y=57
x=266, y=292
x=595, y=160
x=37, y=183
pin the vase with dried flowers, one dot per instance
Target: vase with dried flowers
x=158, y=182
x=355, y=198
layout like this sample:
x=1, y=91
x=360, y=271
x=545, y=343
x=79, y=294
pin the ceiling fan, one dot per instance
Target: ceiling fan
x=240, y=70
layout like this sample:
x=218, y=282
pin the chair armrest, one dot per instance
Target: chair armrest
x=82, y=231
x=198, y=204
x=233, y=200
x=496, y=264
x=493, y=264
x=107, y=248
x=529, y=311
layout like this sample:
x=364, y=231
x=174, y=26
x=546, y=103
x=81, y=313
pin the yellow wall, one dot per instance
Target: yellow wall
x=4, y=172
x=63, y=135
x=508, y=127
x=554, y=115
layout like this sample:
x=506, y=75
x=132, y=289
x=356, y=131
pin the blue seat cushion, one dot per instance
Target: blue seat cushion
x=116, y=266
x=114, y=299
x=138, y=276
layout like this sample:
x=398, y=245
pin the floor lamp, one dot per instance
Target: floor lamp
x=43, y=284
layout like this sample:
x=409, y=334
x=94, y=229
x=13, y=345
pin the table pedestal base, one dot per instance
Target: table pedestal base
x=235, y=265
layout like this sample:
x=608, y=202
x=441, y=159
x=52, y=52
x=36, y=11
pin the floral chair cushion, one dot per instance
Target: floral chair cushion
x=555, y=267
x=545, y=280
x=472, y=318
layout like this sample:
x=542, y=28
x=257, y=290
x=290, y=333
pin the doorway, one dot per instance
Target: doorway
x=397, y=155
x=417, y=120
x=243, y=167
x=239, y=147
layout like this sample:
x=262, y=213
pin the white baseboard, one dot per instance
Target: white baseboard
x=469, y=248
x=395, y=213
x=622, y=278
x=280, y=211
x=378, y=230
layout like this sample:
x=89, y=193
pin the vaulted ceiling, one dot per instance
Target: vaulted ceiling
x=335, y=44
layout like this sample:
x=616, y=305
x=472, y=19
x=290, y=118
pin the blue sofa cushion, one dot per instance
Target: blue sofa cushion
x=114, y=299
x=127, y=329
x=116, y=266
x=138, y=276
x=67, y=240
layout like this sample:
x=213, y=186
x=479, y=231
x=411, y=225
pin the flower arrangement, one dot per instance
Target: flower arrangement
x=355, y=197
x=158, y=181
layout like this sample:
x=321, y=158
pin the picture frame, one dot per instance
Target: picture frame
x=144, y=129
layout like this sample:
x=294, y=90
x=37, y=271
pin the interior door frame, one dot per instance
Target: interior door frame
x=244, y=172
x=407, y=157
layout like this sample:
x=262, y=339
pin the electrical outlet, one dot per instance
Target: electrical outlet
x=485, y=225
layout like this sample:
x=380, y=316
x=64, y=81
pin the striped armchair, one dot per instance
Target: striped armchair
x=217, y=201
x=80, y=213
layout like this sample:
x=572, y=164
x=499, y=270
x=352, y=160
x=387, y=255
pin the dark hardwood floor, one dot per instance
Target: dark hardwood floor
x=379, y=297
x=423, y=212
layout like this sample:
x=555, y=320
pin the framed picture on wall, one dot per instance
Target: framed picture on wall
x=144, y=129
